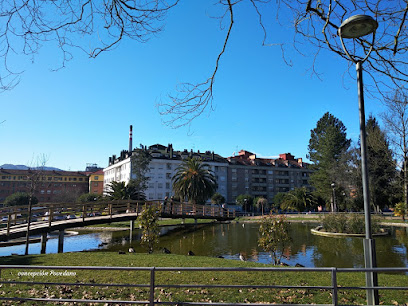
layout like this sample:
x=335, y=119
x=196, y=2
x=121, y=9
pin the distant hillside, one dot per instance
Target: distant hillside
x=23, y=167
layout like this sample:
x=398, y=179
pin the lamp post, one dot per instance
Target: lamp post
x=355, y=27
x=334, y=207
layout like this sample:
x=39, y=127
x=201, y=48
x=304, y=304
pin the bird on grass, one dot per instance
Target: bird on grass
x=131, y=249
x=242, y=257
x=166, y=251
x=190, y=253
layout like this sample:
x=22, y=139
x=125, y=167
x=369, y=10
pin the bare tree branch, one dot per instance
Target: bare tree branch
x=26, y=25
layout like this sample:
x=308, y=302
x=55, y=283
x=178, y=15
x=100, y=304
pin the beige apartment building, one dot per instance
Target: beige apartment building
x=265, y=177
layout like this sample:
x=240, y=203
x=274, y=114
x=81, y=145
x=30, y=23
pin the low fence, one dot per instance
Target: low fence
x=151, y=287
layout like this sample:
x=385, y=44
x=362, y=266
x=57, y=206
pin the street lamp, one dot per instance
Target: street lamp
x=355, y=27
x=334, y=207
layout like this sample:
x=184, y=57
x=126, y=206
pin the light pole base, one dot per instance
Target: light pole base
x=371, y=277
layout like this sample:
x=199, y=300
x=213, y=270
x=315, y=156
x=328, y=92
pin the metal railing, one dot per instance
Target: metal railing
x=153, y=286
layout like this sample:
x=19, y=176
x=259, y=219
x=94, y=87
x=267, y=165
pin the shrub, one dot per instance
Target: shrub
x=349, y=224
x=274, y=236
x=150, y=228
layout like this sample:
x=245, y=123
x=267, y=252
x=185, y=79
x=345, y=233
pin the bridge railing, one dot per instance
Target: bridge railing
x=151, y=282
x=16, y=216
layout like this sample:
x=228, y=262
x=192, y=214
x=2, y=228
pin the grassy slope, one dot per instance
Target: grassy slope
x=302, y=296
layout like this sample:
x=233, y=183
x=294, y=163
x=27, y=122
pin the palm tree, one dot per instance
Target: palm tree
x=263, y=203
x=121, y=191
x=298, y=199
x=195, y=181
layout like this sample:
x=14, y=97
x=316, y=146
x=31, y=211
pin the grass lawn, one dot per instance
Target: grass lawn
x=227, y=295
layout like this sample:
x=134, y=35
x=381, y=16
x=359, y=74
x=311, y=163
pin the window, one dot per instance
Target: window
x=160, y=185
x=96, y=184
x=96, y=177
x=42, y=191
x=168, y=166
x=48, y=191
x=80, y=179
x=167, y=185
x=168, y=175
x=50, y=178
x=151, y=185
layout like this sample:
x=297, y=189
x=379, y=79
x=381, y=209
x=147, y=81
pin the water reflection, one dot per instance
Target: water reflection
x=229, y=240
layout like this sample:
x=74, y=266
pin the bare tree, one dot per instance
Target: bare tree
x=34, y=176
x=91, y=26
x=315, y=24
x=98, y=26
x=395, y=119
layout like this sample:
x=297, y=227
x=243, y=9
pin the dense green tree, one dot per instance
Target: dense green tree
x=328, y=145
x=140, y=161
x=299, y=199
x=217, y=198
x=278, y=199
x=123, y=191
x=88, y=197
x=400, y=210
x=19, y=198
x=245, y=201
x=194, y=181
x=381, y=167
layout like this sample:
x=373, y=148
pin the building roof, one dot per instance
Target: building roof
x=45, y=172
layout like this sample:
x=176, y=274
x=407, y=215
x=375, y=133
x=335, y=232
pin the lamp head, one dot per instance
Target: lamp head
x=357, y=26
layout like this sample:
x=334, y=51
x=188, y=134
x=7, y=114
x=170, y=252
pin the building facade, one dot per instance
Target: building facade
x=265, y=177
x=51, y=185
x=163, y=167
x=96, y=180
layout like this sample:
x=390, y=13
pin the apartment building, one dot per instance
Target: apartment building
x=162, y=168
x=265, y=177
x=49, y=187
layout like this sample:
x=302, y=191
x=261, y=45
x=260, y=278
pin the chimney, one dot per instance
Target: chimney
x=130, y=140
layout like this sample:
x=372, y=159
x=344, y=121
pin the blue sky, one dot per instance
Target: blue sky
x=81, y=114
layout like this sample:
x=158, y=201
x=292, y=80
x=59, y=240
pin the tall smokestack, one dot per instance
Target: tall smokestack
x=130, y=140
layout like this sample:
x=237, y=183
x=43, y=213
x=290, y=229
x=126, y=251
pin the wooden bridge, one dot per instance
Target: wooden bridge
x=51, y=217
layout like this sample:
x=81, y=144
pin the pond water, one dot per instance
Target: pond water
x=228, y=240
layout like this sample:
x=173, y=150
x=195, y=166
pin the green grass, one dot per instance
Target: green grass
x=163, y=222
x=227, y=295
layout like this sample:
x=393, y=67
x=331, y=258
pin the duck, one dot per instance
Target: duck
x=131, y=250
x=190, y=253
x=242, y=257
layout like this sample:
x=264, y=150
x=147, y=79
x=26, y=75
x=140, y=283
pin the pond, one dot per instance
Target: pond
x=228, y=240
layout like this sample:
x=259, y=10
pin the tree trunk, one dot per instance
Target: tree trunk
x=405, y=178
x=28, y=224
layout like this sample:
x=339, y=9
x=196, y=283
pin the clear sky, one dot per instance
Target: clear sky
x=81, y=114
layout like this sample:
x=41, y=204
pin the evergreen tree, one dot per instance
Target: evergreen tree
x=19, y=199
x=381, y=166
x=245, y=201
x=328, y=145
